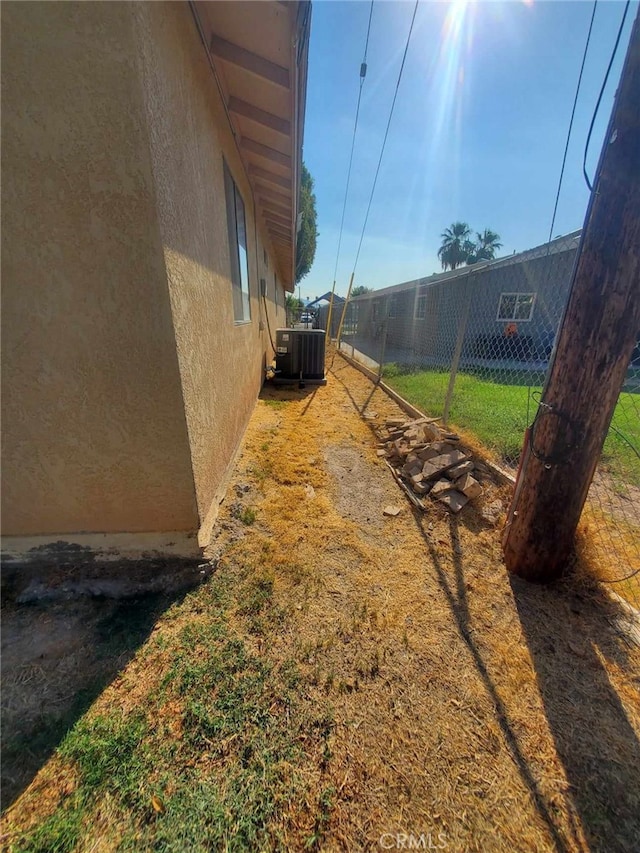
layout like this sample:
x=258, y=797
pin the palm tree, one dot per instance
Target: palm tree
x=487, y=244
x=453, y=251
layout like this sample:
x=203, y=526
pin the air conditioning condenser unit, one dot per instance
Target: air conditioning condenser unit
x=300, y=356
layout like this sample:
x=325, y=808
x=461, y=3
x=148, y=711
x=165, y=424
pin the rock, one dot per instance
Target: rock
x=401, y=447
x=454, y=500
x=309, y=491
x=391, y=510
x=492, y=512
x=428, y=452
x=432, y=432
x=439, y=464
x=412, y=468
x=458, y=470
x=422, y=433
x=417, y=478
x=435, y=448
x=381, y=453
x=421, y=488
x=441, y=487
x=469, y=486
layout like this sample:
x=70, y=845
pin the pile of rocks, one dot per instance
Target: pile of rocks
x=426, y=459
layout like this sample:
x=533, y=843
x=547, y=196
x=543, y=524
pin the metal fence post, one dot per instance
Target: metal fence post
x=327, y=336
x=383, y=342
x=354, y=325
x=344, y=312
x=455, y=363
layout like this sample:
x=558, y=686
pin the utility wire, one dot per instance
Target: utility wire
x=384, y=141
x=363, y=73
x=375, y=179
x=573, y=112
x=564, y=163
x=604, y=84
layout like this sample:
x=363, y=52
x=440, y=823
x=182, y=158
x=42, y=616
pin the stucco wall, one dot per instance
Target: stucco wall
x=94, y=432
x=221, y=363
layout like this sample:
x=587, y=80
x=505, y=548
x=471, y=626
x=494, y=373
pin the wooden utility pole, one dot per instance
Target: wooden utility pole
x=592, y=354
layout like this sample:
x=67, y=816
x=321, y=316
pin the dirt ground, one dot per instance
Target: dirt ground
x=66, y=632
x=469, y=710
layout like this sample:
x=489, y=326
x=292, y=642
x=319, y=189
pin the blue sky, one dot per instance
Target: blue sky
x=478, y=130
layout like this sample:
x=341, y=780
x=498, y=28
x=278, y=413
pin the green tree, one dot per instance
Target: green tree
x=360, y=290
x=292, y=303
x=486, y=246
x=308, y=233
x=458, y=248
x=455, y=246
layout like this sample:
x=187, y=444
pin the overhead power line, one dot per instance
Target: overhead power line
x=386, y=133
x=573, y=112
x=604, y=84
x=363, y=74
x=375, y=179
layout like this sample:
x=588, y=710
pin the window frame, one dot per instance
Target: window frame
x=392, y=310
x=237, y=232
x=513, y=318
x=421, y=298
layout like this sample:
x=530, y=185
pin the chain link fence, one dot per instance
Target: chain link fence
x=473, y=346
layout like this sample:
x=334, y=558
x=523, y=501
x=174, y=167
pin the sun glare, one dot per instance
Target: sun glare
x=446, y=81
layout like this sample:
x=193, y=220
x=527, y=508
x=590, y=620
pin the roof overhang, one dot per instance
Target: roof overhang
x=258, y=53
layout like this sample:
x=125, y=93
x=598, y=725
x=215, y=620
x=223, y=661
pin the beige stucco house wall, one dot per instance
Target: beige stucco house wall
x=127, y=385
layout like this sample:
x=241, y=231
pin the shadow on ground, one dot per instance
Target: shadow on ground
x=568, y=634
x=58, y=654
x=566, y=629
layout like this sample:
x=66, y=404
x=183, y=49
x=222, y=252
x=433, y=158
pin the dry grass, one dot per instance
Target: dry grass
x=607, y=547
x=411, y=688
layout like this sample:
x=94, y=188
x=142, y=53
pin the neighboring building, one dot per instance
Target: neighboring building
x=507, y=310
x=151, y=156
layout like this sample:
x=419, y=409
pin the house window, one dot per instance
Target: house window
x=237, y=225
x=375, y=310
x=393, y=307
x=420, y=312
x=516, y=306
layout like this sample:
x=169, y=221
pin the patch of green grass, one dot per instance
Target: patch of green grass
x=276, y=404
x=261, y=471
x=258, y=591
x=111, y=756
x=110, y=753
x=248, y=516
x=496, y=413
x=228, y=780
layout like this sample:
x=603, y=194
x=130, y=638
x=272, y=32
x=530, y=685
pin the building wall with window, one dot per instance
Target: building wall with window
x=521, y=296
x=221, y=348
x=127, y=378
